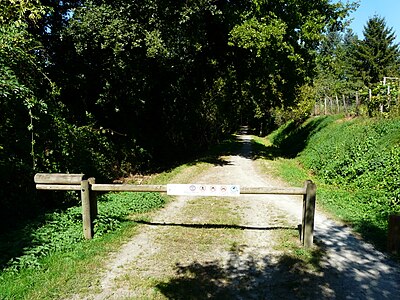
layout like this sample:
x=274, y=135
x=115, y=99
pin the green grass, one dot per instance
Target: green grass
x=288, y=243
x=51, y=257
x=355, y=164
x=63, y=272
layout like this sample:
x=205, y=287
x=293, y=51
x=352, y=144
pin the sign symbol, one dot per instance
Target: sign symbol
x=203, y=190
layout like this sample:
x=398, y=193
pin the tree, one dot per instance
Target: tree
x=155, y=72
x=102, y=86
x=279, y=42
x=376, y=55
x=335, y=74
x=24, y=89
x=35, y=133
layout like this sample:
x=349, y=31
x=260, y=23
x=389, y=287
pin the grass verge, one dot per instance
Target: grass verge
x=56, y=260
x=64, y=272
x=345, y=204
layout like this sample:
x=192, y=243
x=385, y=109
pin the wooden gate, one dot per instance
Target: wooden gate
x=89, y=188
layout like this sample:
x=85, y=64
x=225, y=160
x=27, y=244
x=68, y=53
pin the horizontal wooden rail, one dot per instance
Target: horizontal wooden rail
x=272, y=191
x=128, y=188
x=52, y=178
x=163, y=188
x=58, y=187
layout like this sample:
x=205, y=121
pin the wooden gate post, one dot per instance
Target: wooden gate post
x=72, y=182
x=394, y=234
x=307, y=229
x=303, y=215
x=86, y=210
x=93, y=199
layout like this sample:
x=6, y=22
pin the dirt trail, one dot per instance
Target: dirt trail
x=225, y=249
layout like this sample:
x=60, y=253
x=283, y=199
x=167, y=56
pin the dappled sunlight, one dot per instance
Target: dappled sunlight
x=361, y=268
x=244, y=275
x=247, y=276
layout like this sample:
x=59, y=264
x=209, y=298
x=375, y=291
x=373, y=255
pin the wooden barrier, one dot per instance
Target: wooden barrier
x=307, y=228
x=394, y=234
x=89, y=189
x=58, y=182
x=72, y=182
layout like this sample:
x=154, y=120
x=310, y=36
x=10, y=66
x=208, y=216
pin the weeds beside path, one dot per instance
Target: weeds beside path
x=242, y=248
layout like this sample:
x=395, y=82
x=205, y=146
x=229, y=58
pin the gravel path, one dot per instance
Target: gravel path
x=182, y=254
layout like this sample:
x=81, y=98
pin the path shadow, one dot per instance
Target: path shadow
x=355, y=269
x=216, y=226
x=246, y=275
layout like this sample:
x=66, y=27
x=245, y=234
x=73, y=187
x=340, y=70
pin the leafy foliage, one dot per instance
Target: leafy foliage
x=113, y=208
x=24, y=92
x=60, y=231
x=363, y=156
x=278, y=40
x=19, y=12
x=382, y=99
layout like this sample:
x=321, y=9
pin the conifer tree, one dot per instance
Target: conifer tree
x=377, y=55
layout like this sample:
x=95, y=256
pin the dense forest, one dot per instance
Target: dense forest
x=109, y=88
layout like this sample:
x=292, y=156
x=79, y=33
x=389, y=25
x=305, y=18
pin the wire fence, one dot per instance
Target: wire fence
x=368, y=102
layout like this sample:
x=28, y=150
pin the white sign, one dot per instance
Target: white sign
x=203, y=190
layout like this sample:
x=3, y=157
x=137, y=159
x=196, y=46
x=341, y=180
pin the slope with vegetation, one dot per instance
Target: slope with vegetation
x=356, y=163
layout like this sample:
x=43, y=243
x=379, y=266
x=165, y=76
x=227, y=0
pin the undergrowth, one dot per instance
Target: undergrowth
x=61, y=231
